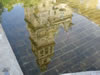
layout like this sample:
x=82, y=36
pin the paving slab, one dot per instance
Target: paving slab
x=8, y=62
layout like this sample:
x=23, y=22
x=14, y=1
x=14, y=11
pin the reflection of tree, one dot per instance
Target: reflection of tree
x=43, y=23
x=30, y=2
x=1, y=10
x=9, y=3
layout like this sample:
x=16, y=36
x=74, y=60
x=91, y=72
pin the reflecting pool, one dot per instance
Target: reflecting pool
x=51, y=37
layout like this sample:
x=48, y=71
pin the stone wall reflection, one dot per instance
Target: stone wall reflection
x=43, y=22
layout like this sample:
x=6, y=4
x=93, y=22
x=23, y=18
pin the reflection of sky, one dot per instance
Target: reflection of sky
x=15, y=27
x=16, y=31
x=98, y=5
x=13, y=18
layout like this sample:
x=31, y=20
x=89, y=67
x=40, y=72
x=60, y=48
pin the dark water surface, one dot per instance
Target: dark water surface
x=51, y=38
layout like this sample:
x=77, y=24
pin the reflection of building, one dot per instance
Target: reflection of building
x=90, y=3
x=88, y=8
x=43, y=23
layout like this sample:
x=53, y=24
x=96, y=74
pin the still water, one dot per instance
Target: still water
x=51, y=37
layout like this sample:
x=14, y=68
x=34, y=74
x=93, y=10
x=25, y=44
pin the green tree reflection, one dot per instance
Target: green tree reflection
x=1, y=10
x=9, y=3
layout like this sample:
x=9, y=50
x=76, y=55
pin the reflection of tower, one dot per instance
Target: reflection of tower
x=43, y=23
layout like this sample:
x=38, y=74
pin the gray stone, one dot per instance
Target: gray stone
x=8, y=61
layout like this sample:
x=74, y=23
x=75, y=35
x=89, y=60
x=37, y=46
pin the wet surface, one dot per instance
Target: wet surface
x=51, y=38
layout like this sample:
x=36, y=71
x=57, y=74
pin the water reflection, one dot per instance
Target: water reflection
x=44, y=17
x=1, y=10
x=43, y=24
x=9, y=4
x=89, y=8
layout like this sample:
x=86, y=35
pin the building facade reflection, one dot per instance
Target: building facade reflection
x=43, y=22
x=88, y=8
